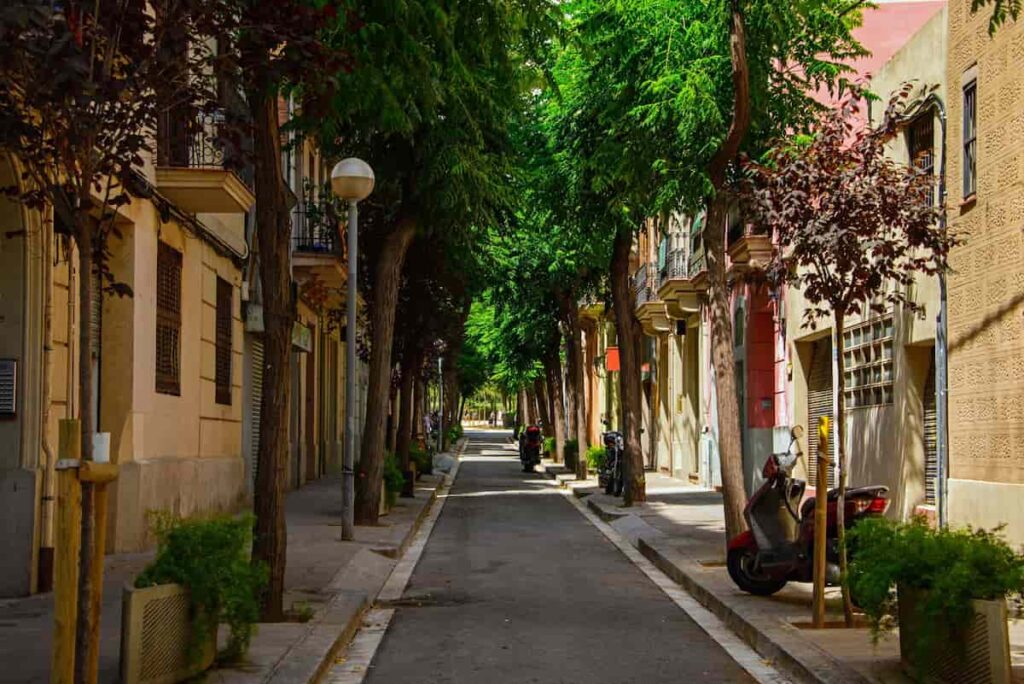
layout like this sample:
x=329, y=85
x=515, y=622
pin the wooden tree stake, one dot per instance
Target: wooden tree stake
x=66, y=550
x=821, y=523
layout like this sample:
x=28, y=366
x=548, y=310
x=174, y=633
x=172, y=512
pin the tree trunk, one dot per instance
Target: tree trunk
x=462, y=408
x=531, y=407
x=729, y=444
x=553, y=369
x=84, y=642
x=385, y=298
x=730, y=447
x=273, y=229
x=540, y=396
x=420, y=391
x=575, y=384
x=393, y=418
x=406, y=399
x=841, y=455
x=628, y=330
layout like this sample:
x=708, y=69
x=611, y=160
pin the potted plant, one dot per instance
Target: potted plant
x=201, y=578
x=946, y=589
x=394, y=481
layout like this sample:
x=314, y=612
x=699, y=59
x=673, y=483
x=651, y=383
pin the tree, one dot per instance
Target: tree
x=274, y=47
x=431, y=119
x=77, y=111
x=855, y=228
x=1002, y=11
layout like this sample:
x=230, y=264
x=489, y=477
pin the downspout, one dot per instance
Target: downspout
x=941, y=343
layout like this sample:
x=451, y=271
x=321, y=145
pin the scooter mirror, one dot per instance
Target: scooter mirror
x=797, y=432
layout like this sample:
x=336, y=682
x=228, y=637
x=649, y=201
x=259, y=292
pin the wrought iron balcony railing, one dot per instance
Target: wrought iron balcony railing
x=645, y=283
x=192, y=140
x=315, y=228
x=677, y=264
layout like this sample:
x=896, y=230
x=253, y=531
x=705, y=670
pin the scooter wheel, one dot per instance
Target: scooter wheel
x=740, y=563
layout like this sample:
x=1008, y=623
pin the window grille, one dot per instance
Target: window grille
x=225, y=298
x=921, y=143
x=168, y=320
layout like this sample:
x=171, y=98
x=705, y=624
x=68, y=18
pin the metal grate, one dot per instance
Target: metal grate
x=166, y=630
x=225, y=297
x=931, y=452
x=256, y=400
x=168, y=320
x=8, y=387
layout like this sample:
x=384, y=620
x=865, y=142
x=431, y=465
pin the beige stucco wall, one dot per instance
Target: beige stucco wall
x=986, y=289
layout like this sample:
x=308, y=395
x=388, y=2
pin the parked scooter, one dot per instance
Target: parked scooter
x=531, y=441
x=779, y=547
x=610, y=475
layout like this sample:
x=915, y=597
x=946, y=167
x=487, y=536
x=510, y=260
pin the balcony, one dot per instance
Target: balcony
x=190, y=165
x=682, y=282
x=650, y=310
x=749, y=250
x=318, y=253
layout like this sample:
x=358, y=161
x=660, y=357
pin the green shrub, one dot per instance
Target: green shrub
x=950, y=567
x=455, y=433
x=423, y=459
x=210, y=556
x=595, y=457
x=549, y=446
x=394, y=481
x=572, y=450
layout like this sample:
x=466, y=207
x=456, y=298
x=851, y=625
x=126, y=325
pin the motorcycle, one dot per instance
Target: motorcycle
x=779, y=546
x=610, y=474
x=530, y=443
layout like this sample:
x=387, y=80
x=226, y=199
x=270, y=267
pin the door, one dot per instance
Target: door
x=931, y=451
x=819, y=404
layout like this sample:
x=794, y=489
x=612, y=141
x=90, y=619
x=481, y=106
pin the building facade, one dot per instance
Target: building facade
x=985, y=206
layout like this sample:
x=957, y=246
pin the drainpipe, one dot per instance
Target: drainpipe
x=941, y=342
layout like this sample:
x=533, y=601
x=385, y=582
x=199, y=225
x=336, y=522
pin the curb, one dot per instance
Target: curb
x=331, y=630
x=773, y=639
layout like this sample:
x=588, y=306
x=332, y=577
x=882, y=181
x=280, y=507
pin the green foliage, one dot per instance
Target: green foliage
x=951, y=567
x=549, y=445
x=1002, y=11
x=423, y=459
x=572, y=449
x=210, y=556
x=394, y=480
x=595, y=457
x=455, y=433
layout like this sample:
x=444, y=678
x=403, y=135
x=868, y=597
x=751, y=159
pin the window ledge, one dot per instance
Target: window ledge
x=968, y=202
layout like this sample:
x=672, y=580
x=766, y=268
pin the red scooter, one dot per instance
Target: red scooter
x=779, y=546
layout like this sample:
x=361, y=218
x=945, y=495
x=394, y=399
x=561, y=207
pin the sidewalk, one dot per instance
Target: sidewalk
x=680, y=529
x=336, y=580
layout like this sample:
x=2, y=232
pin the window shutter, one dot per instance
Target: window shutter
x=225, y=292
x=168, y=320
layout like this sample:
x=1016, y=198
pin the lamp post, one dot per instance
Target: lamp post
x=351, y=180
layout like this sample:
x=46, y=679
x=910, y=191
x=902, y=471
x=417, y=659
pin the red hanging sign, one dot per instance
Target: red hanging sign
x=611, y=360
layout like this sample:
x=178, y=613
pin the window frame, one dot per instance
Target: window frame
x=969, y=133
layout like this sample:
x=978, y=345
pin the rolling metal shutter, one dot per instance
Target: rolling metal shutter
x=819, y=404
x=256, y=400
x=931, y=452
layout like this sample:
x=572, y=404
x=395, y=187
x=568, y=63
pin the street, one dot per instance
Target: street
x=515, y=585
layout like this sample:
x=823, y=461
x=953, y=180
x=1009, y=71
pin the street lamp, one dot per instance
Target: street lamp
x=351, y=180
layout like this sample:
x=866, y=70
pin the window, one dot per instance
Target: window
x=970, y=138
x=921, y=143
x=867, y=356
x=225, y=299
x=168, y=320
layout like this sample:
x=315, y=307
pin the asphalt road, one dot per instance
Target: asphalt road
x=516, y=586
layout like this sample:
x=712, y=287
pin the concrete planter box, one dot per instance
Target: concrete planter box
x=156, y=627
x=981, y=654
